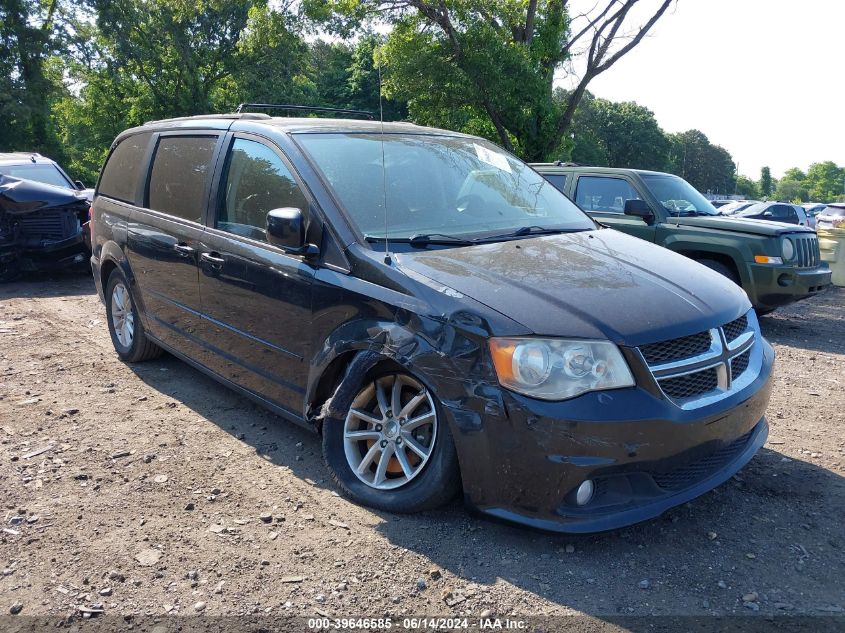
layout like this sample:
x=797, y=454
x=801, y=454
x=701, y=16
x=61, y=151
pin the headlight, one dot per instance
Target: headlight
x=557, y=369
x=788, y=249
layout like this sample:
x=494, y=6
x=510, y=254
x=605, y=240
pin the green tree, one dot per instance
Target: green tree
x=766, y=184
x=489, y=66
x=363, y=82
x=747, y=188
x=705, y=166
x=135, y=60
x=29, y=37
x=792, y=186
x=618, y=135
x=825, y=181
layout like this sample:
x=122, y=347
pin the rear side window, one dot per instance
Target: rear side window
x=597, y=193
x=558, y=180
x=121, y=172
x=180, y=173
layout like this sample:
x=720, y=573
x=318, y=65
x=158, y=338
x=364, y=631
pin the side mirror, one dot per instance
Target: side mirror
x=639, y=208
x=79, y=184
x=286, y=229
x=767, y=214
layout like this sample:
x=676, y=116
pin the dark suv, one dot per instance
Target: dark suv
x=444, y=317
x=776, y=264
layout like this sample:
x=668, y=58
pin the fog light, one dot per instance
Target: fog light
x=584, y=493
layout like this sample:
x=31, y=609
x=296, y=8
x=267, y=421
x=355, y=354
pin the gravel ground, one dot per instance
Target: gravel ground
x=152, y=490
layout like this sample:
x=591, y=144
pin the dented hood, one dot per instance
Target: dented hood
x=592, y=284
x=21, y=197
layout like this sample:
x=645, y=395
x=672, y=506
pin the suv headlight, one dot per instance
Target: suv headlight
x=788, y=249
x=557, y=369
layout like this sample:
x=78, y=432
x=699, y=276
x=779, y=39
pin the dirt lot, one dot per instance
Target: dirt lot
x=152, y=490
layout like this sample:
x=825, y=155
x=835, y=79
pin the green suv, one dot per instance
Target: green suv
x=775, y=264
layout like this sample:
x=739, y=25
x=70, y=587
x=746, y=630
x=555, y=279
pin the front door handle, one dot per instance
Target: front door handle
x=213, y=259
x=184, y=249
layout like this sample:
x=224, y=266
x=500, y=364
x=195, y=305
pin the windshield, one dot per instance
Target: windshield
x=48, y=174
x=734, y=207
x=449, y=186
x=678, y=196
x=754, y=209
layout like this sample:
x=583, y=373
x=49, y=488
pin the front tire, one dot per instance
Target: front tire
x=127, y=332
x=393, y=450
x=720, y=268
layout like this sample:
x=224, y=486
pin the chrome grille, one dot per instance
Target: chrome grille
x=676, y=349
x=692, y=370
x=806, y=251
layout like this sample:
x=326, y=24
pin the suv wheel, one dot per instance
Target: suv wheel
x=127, y=332
x=393, y=450
x=720, y=268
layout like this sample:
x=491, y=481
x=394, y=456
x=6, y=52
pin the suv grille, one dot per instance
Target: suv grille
x=51, y=225
x=676, y=349
x=735, y=328
x=690, y=385
x=806, y=251
x=691, y=367
x=740, y=363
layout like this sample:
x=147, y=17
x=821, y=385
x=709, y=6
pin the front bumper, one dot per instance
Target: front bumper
x=62, y=255
x=644, y=454
x=775, y=286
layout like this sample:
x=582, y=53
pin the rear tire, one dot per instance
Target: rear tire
x=720, y=268
x=127, y=332
x=421, y=465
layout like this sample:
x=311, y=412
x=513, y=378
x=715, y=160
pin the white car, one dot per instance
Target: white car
x=833, y=217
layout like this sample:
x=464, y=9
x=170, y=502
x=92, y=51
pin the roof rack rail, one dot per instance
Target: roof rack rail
x=200, y=117
x=286, y=106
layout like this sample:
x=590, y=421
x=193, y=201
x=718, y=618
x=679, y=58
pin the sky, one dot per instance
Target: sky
x=765, y=79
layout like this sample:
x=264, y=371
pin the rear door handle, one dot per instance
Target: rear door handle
x=213, y=259
x=184, y=249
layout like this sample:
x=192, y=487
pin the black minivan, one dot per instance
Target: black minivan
x=444, y=317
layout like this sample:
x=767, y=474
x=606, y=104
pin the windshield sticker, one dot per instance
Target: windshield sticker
x=492, y=158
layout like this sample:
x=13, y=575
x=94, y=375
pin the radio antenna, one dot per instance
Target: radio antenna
x=383, y=170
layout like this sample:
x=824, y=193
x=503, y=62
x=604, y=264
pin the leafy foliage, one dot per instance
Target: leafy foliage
x=767, y=185
x=747, y=188
x=75, y=73
x=488, y=67
x=606, y=133
x=705, y=166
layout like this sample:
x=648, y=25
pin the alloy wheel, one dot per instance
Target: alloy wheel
x=122, y=317
x=390, y=431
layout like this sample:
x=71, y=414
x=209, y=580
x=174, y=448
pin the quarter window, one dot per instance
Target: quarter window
x=597, y=193
x=120, y=175
x=558, y=180
x=180, y=174
x=257, y=181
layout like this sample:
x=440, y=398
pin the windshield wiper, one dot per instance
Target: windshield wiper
x=424, y=239
x=528, y=230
